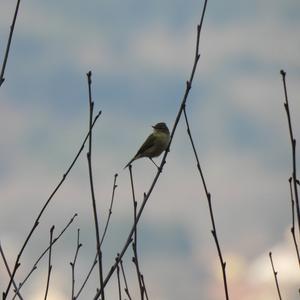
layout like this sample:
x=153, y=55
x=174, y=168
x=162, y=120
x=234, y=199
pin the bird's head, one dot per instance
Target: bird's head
x=161, y=127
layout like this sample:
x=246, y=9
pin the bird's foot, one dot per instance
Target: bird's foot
x=158, y=168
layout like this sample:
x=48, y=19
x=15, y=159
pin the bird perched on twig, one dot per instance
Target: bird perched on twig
x=155, y=144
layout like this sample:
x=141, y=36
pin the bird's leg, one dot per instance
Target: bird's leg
x=154, y=163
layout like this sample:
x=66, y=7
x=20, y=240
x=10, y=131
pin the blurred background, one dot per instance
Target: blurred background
x=141, y=54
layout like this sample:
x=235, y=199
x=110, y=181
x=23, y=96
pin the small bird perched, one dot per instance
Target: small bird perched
x=155, y=144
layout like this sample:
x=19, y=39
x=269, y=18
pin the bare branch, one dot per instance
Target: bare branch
x=103, y=236
x=293, y=221
x=49, y=261
x=36, y=222
x=124, y=277
x=89, y=158
x=42, y=255
x=144, y=286
x=134, y=244
x=208, y=196
x=78, y=245
x=293, y=143
x=9, y=273
x=87, y=277
x=12, y=27
x=275, y=276
x=119, y=283
x=110, y=208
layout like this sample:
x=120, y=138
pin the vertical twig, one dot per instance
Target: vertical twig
x=208, y=196
x=275, y=276
x=110, y=208
x=36, y=222
x=144, y=286
x=103, y=236
x=293, y=221
x=89, y=158
x=21, y=284
x=293, y=143
x=87, y=277
x=49, y=261
x=12, y=26
x=163, y=161
x=78, y=245
x=119, y=283
x=9, y=273
x=134, y=243
x=126, y=289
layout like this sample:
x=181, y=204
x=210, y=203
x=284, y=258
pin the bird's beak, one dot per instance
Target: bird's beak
x=153, y=127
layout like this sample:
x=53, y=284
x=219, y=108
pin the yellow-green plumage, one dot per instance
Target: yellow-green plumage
x=155, y=144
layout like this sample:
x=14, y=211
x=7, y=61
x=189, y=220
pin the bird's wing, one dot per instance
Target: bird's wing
x=150, y=141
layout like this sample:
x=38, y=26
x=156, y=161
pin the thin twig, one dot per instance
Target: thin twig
x=126, y=289
x=119, y=283
x=144, y=286
x=134, y=243
x=87, y=277
x=12, y=26
x=36, y=222
x=21, y=284
x=293, y=221
x=89, y=158
x=110, y=208
x=293, y=143
x=275, y=276
x=208, y=196
x=103, y=236
x=147, y=195
x=72, y=263
x=49, y=262
x=9, y=273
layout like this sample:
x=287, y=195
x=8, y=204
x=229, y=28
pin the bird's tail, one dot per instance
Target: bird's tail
x=130, y=162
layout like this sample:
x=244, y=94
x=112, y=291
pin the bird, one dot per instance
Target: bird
x=155, y=144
